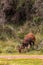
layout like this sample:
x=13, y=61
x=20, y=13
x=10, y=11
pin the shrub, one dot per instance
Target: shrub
x=9, y=49
x=21, y=35
x=37, y=20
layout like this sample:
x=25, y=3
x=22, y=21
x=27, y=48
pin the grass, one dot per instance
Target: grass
x=28, y=53
x=39, y=38
x=21, y=62
x=6, y=46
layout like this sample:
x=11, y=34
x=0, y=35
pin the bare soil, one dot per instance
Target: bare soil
x=22, y=57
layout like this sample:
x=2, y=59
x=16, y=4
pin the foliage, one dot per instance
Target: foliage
x=17, y=18
x=37, y=20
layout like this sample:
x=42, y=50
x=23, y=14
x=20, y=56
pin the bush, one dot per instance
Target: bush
x=37, y=20
x=2, y=37
x=9, y=49
x=21, y=35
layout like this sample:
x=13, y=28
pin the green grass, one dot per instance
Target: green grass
x=39, y=37
x=6, y=46
x=27, y=53
x=10, y=45
x=21, y=62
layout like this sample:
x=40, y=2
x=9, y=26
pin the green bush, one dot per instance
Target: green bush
x=9, y=49
x=2, y=37
x=21, y=35
x=37, y=20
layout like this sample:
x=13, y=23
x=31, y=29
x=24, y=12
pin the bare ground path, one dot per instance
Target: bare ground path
x=22, y=57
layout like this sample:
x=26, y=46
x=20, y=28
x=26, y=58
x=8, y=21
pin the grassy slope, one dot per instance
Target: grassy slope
x=21, y=62
x=6, y=46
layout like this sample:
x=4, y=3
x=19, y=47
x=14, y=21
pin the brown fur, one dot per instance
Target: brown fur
x=29, y=39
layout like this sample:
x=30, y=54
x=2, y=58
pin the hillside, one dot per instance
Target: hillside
x=19, y=17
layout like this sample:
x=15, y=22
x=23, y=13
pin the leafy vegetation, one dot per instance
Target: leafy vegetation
x=17, y=18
